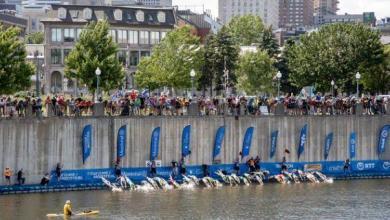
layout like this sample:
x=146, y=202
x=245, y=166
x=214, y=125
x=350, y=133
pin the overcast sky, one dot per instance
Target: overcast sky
x=380, y=7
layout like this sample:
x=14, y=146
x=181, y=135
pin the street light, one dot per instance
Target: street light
x=192, y=74
x=97, y=72
x=279, y=76
x=358, y=76
x=36, y=56
x=332, y=83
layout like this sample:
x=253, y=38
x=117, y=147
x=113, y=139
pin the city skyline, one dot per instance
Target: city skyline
x=380, y=7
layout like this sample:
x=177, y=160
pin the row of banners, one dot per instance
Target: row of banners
x=246, y=146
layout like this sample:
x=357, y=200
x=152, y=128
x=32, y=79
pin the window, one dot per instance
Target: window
x=163, y=34
x=66, y=53
x=133, y=37
x=122, y=36
x=154, y=37
x=56, y=35
x=34, y=24
x=113, y=35
x=145, y=54
x=69, y=35
x=122, y=56
x=78, y=32
x=134, y=58
x=144, y=37
x=56, y=56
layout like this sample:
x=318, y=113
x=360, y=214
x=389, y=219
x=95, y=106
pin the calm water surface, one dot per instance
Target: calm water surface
x=365, y=199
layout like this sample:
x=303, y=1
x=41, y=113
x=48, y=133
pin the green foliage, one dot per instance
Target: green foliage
x=94, y=49
x=336, y=52
x=246, y=30
x=250, y=30
x=171, y=61
x=35, y=38
x=269, y=43
x=220, y=49
x=15, y=72
x=282, y=66
x=377, y=78
x=255, y=72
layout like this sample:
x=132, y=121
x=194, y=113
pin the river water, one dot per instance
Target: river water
x=363, y=199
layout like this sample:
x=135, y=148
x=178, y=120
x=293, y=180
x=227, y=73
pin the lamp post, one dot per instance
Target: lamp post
x=332, y=83
x=358, y=76
x=36, y=56
x=65, y=85
x=279, y=76
x=97, y=72
x=192, y=74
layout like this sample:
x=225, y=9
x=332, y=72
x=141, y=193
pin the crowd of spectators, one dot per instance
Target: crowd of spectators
x=138, y=104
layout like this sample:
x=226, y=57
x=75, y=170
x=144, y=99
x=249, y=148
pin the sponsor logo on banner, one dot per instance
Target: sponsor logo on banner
x=365, y=166
x=336, y=168
x=386, y=165
x=360, y=166
x=385, y=133
x=313, y=167
x=279, y=166
x=148, y=163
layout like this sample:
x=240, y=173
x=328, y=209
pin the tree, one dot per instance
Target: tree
x=221, y=52
x=209, y=70
x=282, y=66
x=268, y=43
x=35, y=38
x=250, y=30
x=246, y=30
x=335, y=52
x=377, y=78
x=15, y=71
x=94, y=49
x=172, y=61
x=255, y=72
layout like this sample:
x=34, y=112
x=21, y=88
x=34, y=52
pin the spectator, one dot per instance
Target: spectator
x=7, y=175
x=58, y=171
x=21, y=178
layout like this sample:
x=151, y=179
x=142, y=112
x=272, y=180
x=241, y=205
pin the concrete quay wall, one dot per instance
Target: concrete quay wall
x=37, y=145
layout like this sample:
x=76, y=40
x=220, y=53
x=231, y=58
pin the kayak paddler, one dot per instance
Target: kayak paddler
x=68, y=208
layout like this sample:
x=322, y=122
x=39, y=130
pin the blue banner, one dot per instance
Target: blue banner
x=121, y=142
x=302, y=140
x=154, y=143
x=218, y=141
x=328, y=144
x=185, y=141
x=274, y=142
x=246, y=145
x=352, y=145
x=383, y=139
x=86, y=142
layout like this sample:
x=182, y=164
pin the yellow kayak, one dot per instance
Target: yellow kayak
x=85, y=213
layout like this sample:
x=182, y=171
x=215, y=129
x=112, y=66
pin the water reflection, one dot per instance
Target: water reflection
x=342, y=200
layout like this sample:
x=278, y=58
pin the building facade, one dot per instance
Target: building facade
x=295, y=13
x=164, y=3
x=135, y=29
x=155, y=2
x=8, y=18
x=367, y=18
x=203, y=24
x=268, y=10
x=324, y=8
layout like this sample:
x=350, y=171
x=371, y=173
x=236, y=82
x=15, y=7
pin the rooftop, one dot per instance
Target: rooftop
x=120, y=15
